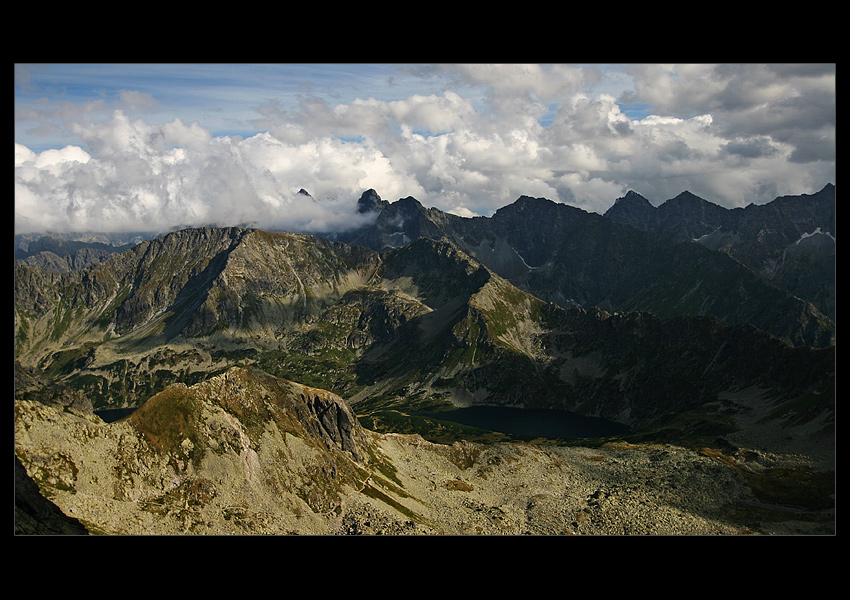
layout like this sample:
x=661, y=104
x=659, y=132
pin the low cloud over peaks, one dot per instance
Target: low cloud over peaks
x=142, y=181
x=465, y=138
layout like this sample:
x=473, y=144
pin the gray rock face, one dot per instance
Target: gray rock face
x=339, y=426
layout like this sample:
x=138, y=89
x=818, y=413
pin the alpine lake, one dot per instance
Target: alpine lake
x=529, y=422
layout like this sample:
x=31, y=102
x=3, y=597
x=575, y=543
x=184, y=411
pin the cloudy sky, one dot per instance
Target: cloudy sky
x=138, y=147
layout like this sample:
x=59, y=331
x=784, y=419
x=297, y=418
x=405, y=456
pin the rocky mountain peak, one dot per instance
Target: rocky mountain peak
x=631, y=208
x=408, y=204
x=370, y=201
x=687, y=196
x=704, y=215
x=254, y=399
x=633, y=197
x=526, y=203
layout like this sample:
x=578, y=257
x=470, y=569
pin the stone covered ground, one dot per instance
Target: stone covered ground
x=430, y=489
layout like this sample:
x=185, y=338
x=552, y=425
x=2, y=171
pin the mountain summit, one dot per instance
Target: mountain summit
x=370, y=201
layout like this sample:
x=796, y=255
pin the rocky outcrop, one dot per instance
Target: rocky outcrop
x=337, y=424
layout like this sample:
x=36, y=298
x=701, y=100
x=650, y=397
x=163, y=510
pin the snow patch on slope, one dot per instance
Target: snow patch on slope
x=814, y=233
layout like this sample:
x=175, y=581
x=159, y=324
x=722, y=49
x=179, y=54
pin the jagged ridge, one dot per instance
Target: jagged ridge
x=568, y=256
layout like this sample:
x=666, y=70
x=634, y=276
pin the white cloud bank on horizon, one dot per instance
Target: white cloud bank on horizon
x=732, y=134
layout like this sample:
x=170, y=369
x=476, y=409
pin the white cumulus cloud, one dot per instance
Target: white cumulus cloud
x=732, y=134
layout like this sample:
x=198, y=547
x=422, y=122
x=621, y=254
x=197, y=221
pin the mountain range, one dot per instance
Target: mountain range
x=789, y=242
x=685, y=334
x=568, y=256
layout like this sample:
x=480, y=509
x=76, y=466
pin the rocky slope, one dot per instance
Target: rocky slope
x=421, y=327
x=246, y=453
x=175, y=308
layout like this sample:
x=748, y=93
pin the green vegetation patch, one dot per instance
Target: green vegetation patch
x=329, y=369
x=690, y=429
x=384, y=466
x=64, y=362
x=784, y=493
x=808, y=407
x=166, y=420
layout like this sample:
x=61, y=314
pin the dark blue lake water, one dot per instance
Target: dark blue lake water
x=110, y=415
x=517, y=421
x=531, y=422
